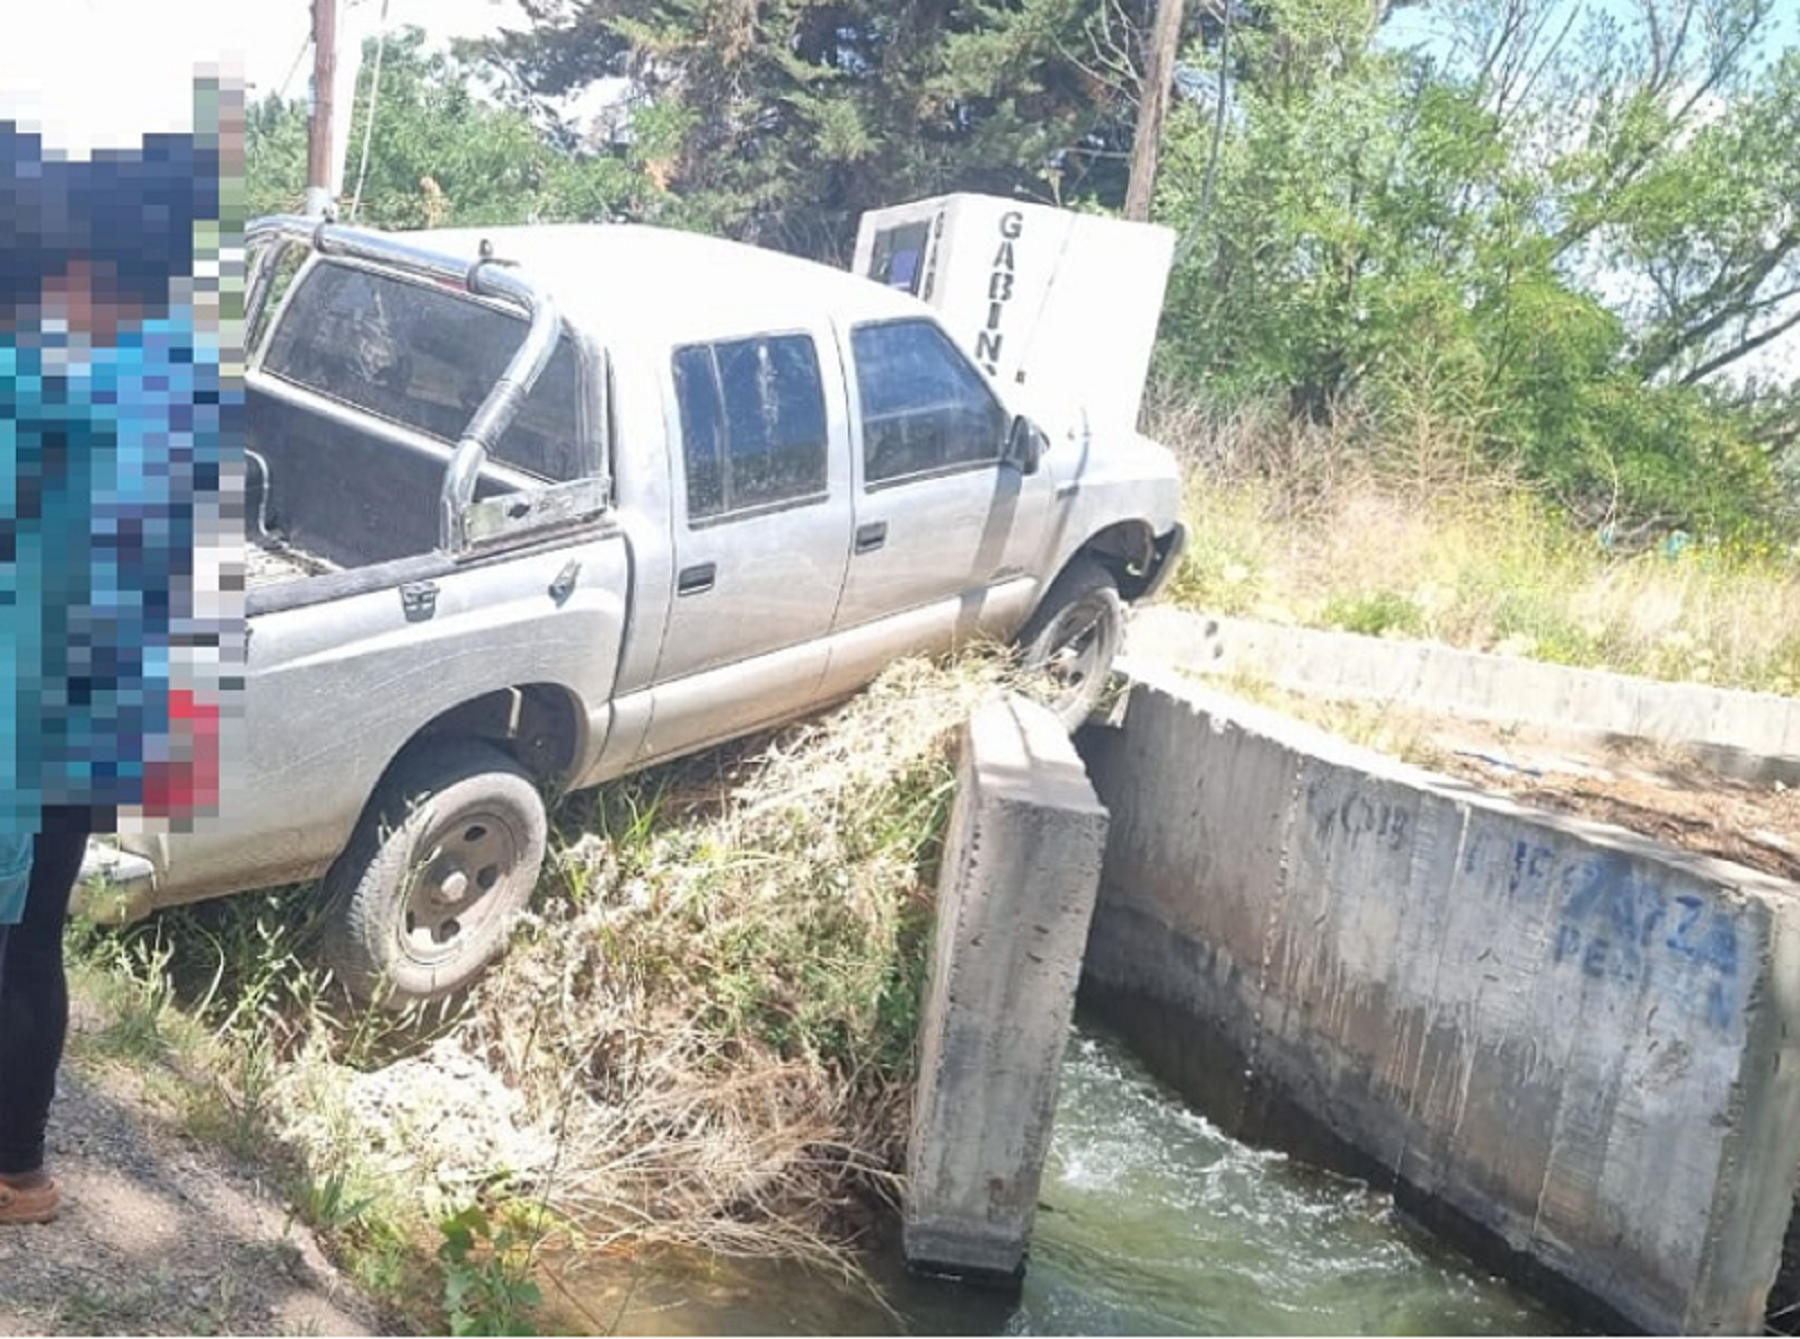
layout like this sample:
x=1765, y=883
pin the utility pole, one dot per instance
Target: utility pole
x=1153, y=103
x=319, y=167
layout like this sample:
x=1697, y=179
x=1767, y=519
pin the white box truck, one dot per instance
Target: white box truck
x=1059, y=307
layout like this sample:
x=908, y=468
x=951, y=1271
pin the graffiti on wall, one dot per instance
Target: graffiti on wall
x=1360, y=817
x=1623, y=921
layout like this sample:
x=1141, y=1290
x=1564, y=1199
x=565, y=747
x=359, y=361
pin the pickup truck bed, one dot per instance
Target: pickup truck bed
x=269, y=561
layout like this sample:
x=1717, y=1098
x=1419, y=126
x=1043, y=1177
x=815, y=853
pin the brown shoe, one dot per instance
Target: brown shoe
x=29, y=1204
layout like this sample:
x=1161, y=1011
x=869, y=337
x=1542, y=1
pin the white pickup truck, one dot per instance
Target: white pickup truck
x=530, y=508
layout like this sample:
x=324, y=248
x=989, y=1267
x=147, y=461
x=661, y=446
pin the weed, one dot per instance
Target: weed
x=1387, y=529
x=1376, y=613
x=487, y=1268
x=127, y=978
x=328, y=1202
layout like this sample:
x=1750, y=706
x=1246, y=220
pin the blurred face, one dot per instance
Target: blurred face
x=88, y=299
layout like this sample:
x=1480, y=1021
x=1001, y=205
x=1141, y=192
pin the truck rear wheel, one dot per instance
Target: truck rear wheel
x=445, y=857
x=1068, y=645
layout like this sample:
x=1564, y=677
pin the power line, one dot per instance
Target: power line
x=362, y=168
x=300, y=55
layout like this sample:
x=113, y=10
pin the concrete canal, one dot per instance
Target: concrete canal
x=1569, y=1044
x=1152, y=1221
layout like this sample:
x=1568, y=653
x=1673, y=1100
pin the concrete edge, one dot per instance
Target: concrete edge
x=1747, y=735
x=1311, y=739
x=1746, y=1222
x=1015, y=899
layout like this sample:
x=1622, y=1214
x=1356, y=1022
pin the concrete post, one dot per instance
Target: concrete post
x=1020, y=873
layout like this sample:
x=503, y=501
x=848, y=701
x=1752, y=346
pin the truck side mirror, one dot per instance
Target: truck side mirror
x=1025, y=446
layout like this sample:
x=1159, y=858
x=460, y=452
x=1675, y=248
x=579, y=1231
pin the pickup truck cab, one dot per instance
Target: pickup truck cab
x=529, y=508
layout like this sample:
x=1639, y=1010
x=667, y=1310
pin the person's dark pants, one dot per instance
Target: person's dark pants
x=34, y=992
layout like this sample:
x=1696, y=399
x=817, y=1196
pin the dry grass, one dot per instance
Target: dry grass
x=1360, y=528
x=1380, y=725
x=715, y=1008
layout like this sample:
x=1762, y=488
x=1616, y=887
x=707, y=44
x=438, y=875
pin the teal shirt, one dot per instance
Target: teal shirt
x=21, y=632
x=100, y=461
x=22, y=563
x=15, y=875
x=49, y=446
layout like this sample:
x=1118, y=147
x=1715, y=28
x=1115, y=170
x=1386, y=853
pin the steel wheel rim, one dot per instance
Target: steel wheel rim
x=464, y=863
x=1074, y=639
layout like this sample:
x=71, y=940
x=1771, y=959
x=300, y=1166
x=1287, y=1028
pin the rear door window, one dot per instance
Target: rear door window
x=753, y=427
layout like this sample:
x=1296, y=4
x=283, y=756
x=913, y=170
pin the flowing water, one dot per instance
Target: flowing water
x=1150, y=1221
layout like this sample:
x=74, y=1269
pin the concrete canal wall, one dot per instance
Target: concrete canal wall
x=1584, y=1043
x=1016, y=890
x=1755, y=736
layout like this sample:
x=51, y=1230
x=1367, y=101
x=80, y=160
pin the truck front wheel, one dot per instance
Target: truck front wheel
x=445, y=857
x=1069, y=644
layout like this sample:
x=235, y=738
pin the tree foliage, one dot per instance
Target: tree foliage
x=444, y=152
x=1556, y=224
x=782, y=121
x=1567, y=231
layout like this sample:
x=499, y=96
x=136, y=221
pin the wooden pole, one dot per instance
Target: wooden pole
x=1153, y=102
x=319, y=202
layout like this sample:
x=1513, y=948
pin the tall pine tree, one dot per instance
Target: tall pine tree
x=781, y=121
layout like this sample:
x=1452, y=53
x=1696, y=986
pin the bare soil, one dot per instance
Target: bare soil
x=159, y=1233
x=1659, y=793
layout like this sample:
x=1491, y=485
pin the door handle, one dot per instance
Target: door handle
x=871, y=536
x=696, y=580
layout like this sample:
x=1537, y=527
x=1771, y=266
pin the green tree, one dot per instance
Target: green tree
x=444, y=152
x=1556, y=225
x=274, y=156
x=782, y=121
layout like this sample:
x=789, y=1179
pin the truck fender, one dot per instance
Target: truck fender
x=542, y=725
x=1141, y=560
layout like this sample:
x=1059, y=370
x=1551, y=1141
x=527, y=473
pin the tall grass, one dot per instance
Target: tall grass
x=718, y=1001
x=1410, y=534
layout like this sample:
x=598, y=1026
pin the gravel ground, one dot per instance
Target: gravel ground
x=160, y=1234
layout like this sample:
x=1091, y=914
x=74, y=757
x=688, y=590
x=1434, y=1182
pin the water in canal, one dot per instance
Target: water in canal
x=1151, y=1221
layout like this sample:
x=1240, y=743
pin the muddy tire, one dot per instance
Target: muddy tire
x=445, y=857
x=1068, y=646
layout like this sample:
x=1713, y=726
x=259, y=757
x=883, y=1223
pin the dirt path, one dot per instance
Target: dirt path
x=1659, y=792
x=159, y=1234
x=1655, y=792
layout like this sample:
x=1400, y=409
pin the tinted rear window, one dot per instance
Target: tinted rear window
x=425, y=357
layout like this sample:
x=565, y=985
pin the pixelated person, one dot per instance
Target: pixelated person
x=109, y=423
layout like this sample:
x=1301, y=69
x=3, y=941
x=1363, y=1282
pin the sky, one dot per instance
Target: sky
x=284, y=27
x=1425, y=26
x=82, y=94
